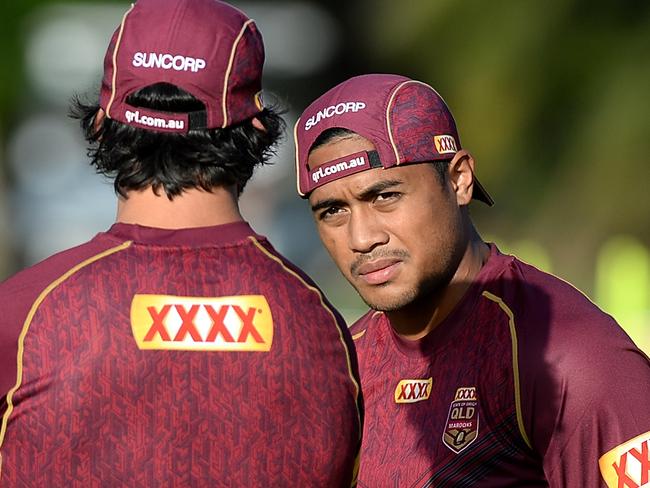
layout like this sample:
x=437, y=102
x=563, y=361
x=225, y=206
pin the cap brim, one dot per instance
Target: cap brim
x=480, y=193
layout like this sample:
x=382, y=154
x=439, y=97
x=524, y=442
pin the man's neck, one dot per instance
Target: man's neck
x=419, y=318
x=193, y=208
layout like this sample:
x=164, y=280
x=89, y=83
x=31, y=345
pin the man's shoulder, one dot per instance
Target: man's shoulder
x=37, y=277
x=281, y=268
x=285, y=284
x=23, y=292
x=552, y=321
x=539, y=299
x=570, y=357
x=555, y=323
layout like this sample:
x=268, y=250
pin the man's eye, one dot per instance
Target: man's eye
x=329, y=212
x=387, y=196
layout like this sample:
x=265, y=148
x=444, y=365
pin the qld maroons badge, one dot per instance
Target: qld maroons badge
x=461, y=428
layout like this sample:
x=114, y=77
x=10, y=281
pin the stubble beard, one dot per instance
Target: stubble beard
x=431, y=287
x=428, y=289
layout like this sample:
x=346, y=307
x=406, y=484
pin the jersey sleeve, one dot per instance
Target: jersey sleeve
x=603, y=398
x=19, y=294
x=585, y=393
x=16, y=297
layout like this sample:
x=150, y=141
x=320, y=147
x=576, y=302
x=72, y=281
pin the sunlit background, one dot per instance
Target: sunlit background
x=552, y=98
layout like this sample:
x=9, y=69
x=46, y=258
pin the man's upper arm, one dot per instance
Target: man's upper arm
x=16, y=298
x=19, y=293
x=599, y=397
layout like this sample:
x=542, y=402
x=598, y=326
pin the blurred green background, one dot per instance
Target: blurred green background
x=552, y=98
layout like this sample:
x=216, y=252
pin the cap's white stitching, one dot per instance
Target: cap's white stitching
x=117, y=46
x=230, y=63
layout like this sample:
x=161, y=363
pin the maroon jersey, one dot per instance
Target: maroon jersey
x=194, y=357
x=526, y=383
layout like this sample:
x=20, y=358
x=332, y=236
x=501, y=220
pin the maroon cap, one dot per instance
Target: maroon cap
x=406, y=120
x=205, y=47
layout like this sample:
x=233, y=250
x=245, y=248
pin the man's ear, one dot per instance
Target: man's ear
x=257, y=123
x=461, y=175
x=99, y=120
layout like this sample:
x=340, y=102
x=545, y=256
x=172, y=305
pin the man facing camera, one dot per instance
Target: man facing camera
x=477, y=369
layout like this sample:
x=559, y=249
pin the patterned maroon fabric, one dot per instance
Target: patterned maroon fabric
x=442, y=411
x=406, y=120
x=247, y=65
x=93, y=409
x=206, y=47
x=419, y=114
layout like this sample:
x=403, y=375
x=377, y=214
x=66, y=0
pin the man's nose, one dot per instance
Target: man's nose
x=366, y=231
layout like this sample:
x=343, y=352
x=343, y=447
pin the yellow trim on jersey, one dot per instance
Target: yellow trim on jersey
x=28, y=322
x=358, y=335
x=230, y=63
x=355, y=470
x=515, y=362
x=322, y=302
x=113, y=81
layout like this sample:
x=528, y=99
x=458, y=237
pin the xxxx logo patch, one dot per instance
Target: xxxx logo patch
x=463, y=419
x=411, y=391
x=627, y=465
x=237, y=323
x=445, y=144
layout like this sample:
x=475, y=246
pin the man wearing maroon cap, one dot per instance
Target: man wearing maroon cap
x=477, y=369
x=178, y=348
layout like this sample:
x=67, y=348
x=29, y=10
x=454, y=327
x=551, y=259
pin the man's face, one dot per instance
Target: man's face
x=396, y=234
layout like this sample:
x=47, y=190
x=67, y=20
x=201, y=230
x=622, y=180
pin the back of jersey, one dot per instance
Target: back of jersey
x=176, y=358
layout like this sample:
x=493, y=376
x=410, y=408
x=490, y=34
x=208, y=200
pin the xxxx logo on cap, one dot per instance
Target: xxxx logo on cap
x=445, y=144
x=234, y=323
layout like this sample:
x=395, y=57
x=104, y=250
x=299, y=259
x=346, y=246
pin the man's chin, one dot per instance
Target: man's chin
x=387, y=298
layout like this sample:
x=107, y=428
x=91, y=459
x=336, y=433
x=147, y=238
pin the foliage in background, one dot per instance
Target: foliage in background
x=551, y=98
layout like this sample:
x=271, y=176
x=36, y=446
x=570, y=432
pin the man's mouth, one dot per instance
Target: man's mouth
x=379, y=271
